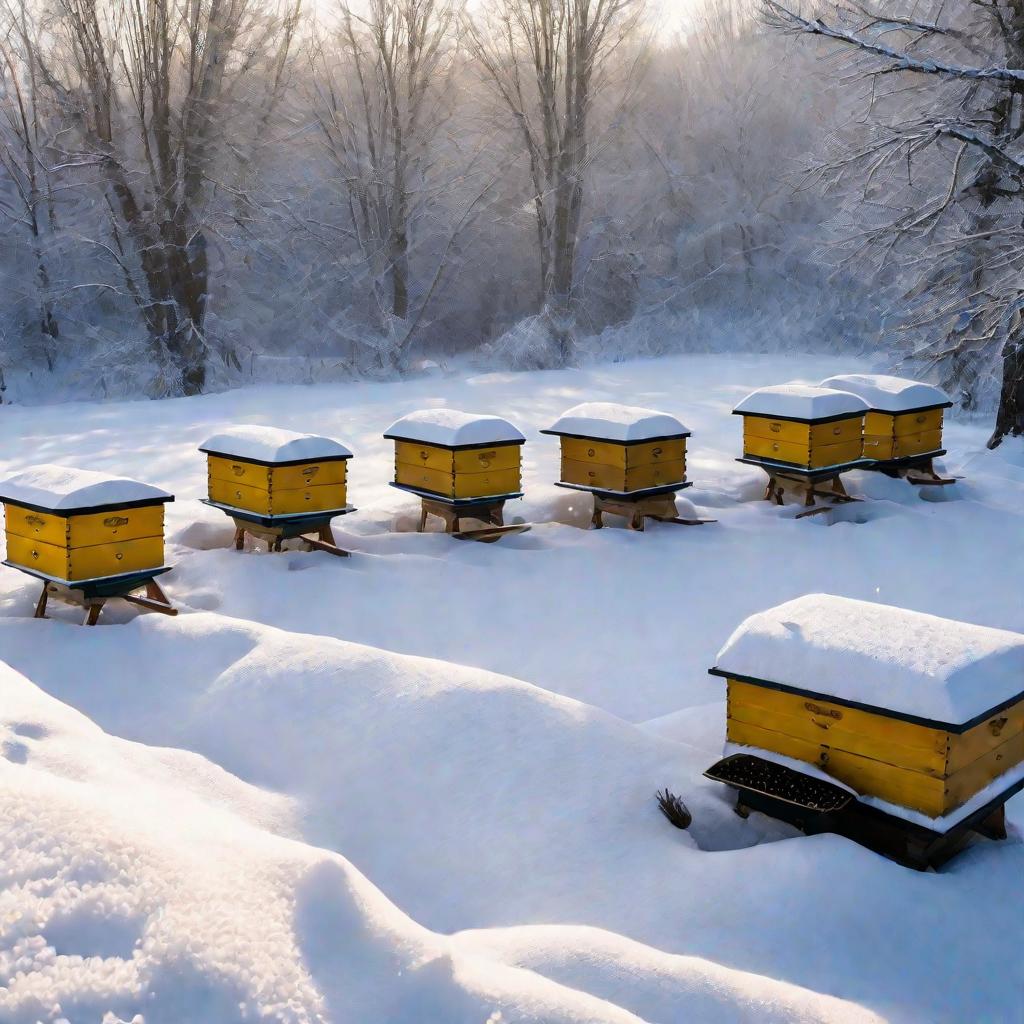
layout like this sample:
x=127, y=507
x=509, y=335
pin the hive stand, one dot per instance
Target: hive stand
x=915, y=469
x=815, y=807
x=810, y=484
x=660, y=507
x=277, y=530
x=489, y=511
x=93, y=595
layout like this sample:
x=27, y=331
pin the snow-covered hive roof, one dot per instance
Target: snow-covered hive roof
x=273, y=445
x=450, y=428
x=884, y=658
x=626, y=424
x=890, y=394
x=801, y=402
x=65, y=490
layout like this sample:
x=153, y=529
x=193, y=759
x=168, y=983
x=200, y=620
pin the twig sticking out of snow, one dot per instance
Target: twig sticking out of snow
x=674, y=809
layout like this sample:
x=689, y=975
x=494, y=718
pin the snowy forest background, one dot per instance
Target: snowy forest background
x=196, y=194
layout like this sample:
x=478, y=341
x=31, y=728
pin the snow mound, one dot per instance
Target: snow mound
x=150, y=884
x=608, y=421
x=451, y=428
x=884, y=657
x=801, y=402
x=889, y=394
x=273, y=445
x=64, y=489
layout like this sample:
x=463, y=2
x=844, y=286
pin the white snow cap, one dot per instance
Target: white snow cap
x=271, y=444
x=608, y=421
x=889, y=394
x=67, y=490
x=885, y=657
x=451, y=428
x=801, y=402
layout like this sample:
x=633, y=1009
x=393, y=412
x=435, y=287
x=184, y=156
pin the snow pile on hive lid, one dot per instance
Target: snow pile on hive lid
x=801, y=402
x=889, y=394
x=451, y=428
x=64, y=489
x=608, y=421
x=273, y=445
x=876, y=655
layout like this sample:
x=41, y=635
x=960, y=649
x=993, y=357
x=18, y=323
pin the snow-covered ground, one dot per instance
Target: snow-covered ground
x=417, y=785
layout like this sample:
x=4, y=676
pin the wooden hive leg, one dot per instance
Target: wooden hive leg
x=636, y=520
x=994, y=826
x=839, y=488
x=597, y=519
x=93, y=609
x=239, y=538
x=497, y=514
x=423, y=516
x=326, y=534
x=275, y=544
x=40, y=612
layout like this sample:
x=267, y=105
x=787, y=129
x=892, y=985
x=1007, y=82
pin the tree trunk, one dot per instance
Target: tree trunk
x=1010, y=415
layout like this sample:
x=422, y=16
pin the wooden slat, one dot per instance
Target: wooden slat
x=814, y=434
x=466, y=460
x=247, y=473
x=301, y=500
x=800, y=454
x=917, y=422
x=613, y=478
x=622, y=456
x=917, y=444
x=309, y=474
x=115, y=558
x=229, y=492
x=845, y=735
x=969, y=746
x=39, y=526
x=913, y=790
x=963, y=784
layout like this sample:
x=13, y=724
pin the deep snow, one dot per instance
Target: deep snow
x=286, y=807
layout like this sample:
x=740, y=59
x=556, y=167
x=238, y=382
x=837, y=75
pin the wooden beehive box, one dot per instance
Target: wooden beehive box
x=802, y=427
x=621, y=449
x=457, y=456
x=904, y=418
x=77, y=526
x=276, y=474
x=918, y=712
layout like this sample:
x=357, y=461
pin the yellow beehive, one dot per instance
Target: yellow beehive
x=802, y=427
x=276, y=474
x=904, y=418
x=77, y=526
x=919, y=712
x=621, y=449
x=457, y=456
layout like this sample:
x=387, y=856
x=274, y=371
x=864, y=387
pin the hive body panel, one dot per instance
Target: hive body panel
x=924, y=768
x=302, y=488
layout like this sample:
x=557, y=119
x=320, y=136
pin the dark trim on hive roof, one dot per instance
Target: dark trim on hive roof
x=65, y=513
x=612, y=440
x=454, y=447
x=806, y=419
x=274, y=465
x=907, y=412
x=931, y=723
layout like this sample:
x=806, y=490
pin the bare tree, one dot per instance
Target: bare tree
x=548, y=61
x=147, y=88
x=939, y=166
x=382, y=95
x=25, y=137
